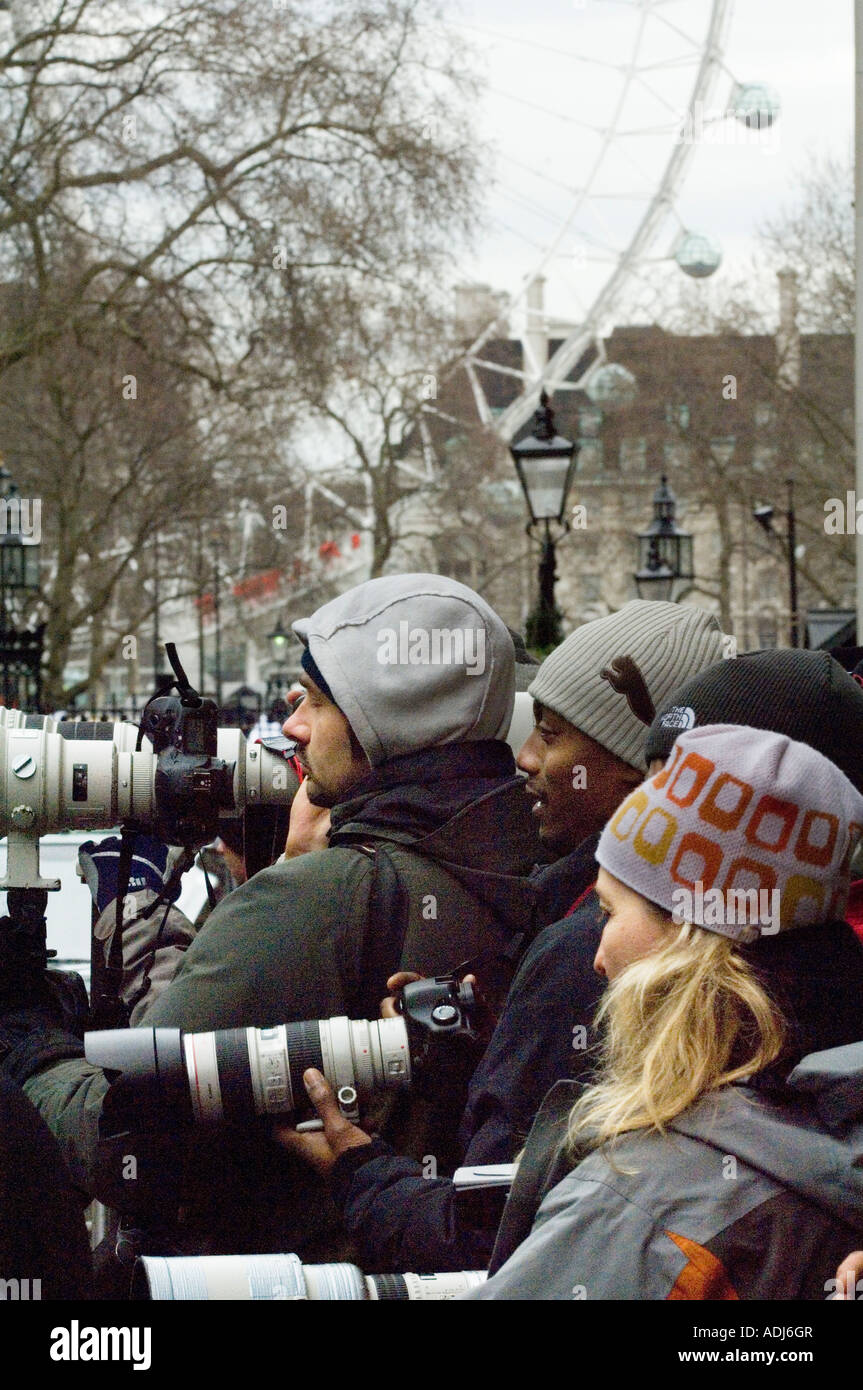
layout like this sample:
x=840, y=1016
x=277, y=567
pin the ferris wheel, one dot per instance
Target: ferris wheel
x=648, y=86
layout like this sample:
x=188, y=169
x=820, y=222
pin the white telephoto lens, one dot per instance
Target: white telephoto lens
x=395, y=1059
x=203, y=1072
x=336, y=1052
x=436, y=1288
x=214, y=1278
x=270, y=1070
x=363, y=1057
x=343, y=1283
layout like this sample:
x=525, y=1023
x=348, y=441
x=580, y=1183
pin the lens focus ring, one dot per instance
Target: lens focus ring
x=304, y=1051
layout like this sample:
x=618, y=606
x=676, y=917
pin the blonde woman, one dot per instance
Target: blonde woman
x=718, y=1155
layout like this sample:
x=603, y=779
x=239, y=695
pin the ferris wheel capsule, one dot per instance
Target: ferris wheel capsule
x=612, y=387
x=756, y=104
x=698, y=255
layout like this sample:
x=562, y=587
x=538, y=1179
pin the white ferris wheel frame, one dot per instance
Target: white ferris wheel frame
x=552, y=375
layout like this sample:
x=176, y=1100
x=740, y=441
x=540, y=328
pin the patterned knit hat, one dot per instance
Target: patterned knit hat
x=609, y=676
x=743, y=832
x=805, y=695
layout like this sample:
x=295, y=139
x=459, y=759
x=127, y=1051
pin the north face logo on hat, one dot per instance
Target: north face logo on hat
x=678, y=717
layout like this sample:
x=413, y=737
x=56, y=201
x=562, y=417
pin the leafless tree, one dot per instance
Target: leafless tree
x=203, y=197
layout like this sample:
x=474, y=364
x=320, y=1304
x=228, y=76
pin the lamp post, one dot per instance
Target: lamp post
x=764, y=517
x=20, y=648
x=217, y=614
x=279, y=641
x=162, y=680
x=545, y=464
x=664, y=551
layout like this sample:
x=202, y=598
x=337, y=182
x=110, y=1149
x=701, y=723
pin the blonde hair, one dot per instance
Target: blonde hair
x=682, y=1021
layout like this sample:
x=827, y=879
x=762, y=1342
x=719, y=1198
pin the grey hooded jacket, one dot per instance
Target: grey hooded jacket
x=749, y=1195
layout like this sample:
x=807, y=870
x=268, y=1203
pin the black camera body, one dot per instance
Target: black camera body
x=439, y=1016
x=191, y=784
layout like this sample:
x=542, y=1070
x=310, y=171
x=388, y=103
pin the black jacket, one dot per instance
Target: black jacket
x=44, y=1252
x=403, y=1218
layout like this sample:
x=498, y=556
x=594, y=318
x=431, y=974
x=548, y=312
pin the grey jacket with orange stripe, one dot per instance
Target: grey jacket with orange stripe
x=751, y=1194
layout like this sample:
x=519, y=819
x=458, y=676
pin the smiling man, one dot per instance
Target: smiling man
x=593, y=698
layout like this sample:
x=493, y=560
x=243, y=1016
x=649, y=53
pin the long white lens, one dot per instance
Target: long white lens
x=236, y=1073
x=281, y=1278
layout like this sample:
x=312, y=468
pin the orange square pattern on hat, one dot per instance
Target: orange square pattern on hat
x=716, y=829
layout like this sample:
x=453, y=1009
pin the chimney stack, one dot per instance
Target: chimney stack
x=788, y=333
x=536, y=335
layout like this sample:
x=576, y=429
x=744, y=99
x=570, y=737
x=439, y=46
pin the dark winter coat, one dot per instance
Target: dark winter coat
x=44, y=1253
x=401, y=1216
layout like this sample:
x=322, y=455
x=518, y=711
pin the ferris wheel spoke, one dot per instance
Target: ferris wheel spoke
x=597, y=212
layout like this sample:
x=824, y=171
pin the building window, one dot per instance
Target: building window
x=813, y=453
x=764, y=415
x=676, y=453
x=589, y=421
x=589, y=457
x=677, y=414
x=591, y=588
x=763, y=458
x=767, y=631
x=633, y=454
x=722, y=448
x=232, y=664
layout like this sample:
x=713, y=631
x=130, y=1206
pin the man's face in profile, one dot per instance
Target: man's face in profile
x=328, y=752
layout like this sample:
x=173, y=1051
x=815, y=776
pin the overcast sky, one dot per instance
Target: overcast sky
x=555, y=74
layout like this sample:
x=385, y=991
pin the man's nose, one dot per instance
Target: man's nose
x=295, y=726
x=527, y=758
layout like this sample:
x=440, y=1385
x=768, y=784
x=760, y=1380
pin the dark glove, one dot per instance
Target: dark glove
x=58, y=995
x=152, y=863
x=31, y=1039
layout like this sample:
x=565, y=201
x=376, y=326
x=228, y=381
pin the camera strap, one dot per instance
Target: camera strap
x=107, y=1008
x=385, y=936
x=385, y=931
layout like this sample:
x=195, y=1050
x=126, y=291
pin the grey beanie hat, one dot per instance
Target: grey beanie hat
x=609, y=676
x=413, y=661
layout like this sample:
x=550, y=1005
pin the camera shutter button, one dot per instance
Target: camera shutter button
x=445, y=1014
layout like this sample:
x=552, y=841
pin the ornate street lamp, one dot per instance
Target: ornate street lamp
x=764, y=517
x=664, y=551
x=279, y=679
x=278, y=640
x=545, y=464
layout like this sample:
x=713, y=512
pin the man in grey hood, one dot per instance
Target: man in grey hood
x=410, y=689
